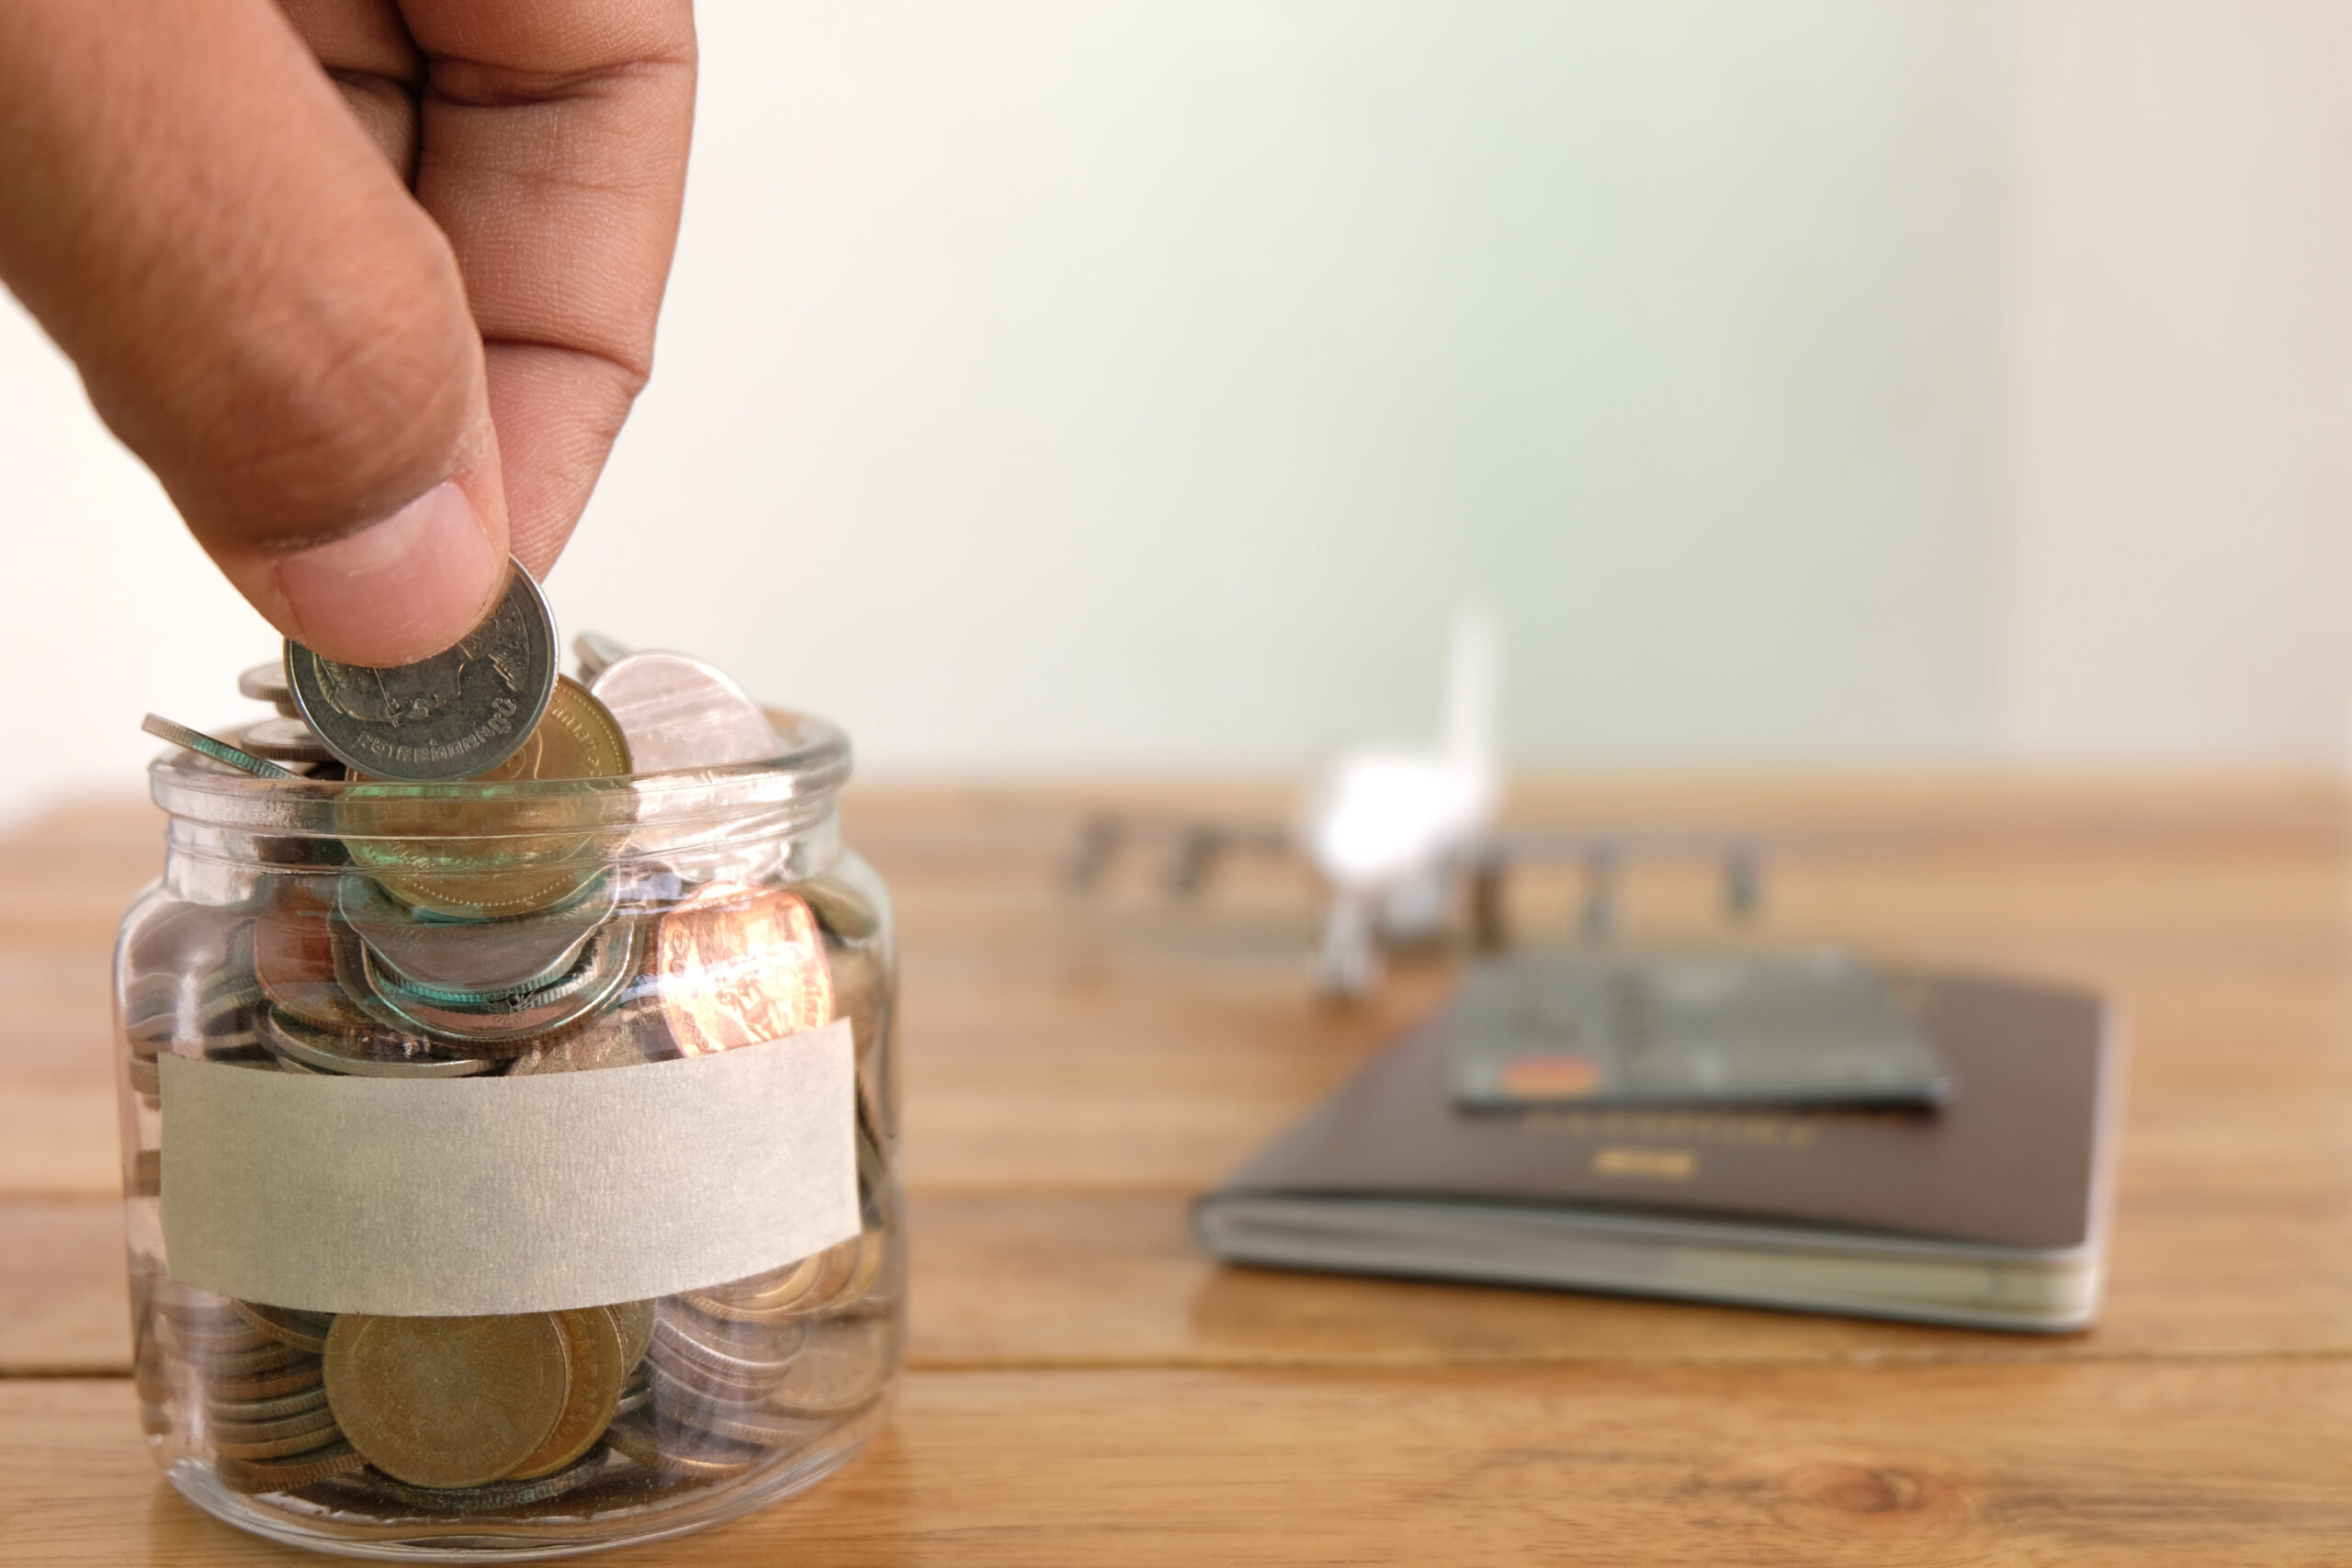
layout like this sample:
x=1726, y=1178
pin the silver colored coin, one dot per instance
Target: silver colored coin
x=470, y=963
x=456, y=715
x=594, y=651
x=739, y=1353
x=637, y=1393
x=309, y=1399
x=678, y=712
x=843, y=1365
x=625, y=1036
x=220, y=750
x=676, y=1406
x=492, y=1498
x=673, y=1369
x=371, y=1056
x=643, y=1437
x=513, y=1021
x=284, y=739
x=266, y=683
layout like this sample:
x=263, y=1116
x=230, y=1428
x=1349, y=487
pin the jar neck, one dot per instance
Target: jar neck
x=206, y=862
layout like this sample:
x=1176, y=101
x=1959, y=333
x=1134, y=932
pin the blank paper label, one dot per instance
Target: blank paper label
x=442, y=1197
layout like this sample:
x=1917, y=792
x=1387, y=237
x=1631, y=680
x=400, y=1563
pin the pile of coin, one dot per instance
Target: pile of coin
x=438, y=956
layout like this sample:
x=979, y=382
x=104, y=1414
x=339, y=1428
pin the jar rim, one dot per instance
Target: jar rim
x=801, y=779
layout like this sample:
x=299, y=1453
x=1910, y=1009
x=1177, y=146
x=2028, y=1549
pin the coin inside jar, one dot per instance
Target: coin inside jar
x=679, y=712
x=739, y=965
x=486, y=855
x=594, y=1352
x=282, y=739
x=464, y=962
x=448, y=1401
x=512, y=1022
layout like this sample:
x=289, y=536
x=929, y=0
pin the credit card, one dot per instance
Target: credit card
x=1811, y=1027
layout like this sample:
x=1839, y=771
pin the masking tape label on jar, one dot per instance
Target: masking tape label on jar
x=450, y=1197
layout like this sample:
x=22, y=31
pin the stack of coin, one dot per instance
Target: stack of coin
x=256, y=1387
x=476, y=1414
x=428, y=950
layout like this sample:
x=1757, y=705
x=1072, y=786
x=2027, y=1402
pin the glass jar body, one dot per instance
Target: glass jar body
x=373, y=1356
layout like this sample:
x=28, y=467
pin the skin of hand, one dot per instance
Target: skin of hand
x=371, y=286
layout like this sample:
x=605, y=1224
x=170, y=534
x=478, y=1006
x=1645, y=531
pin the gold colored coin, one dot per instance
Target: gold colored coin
x=873, y=1251
x=285, y=1474
x=635, y=1320
x=303, y=1330
x=302, y=1401
x=738, y=965
x=448, y=1401
x=230, y=1446
x=844, y=1365
x=303, y=1374
x=472, y=859
x=303, y=1423
x=593, y=1345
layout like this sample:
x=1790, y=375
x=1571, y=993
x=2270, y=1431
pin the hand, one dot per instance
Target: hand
x=371, y=286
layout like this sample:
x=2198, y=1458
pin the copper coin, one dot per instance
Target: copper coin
x=594, y=1347
x=285, y=1474
x=448, y=1401
x=454, y=853
x=294, y=956
x=738, y=965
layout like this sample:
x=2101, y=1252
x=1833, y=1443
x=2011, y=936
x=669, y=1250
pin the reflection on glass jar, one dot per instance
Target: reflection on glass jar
x=511, y=1162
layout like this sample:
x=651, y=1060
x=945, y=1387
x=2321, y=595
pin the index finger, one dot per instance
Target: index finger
x=552, y=151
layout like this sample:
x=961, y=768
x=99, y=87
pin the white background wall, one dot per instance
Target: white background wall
x=1122, y=383
x=2176, y=557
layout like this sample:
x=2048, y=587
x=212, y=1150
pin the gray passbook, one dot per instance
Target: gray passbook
x=1816, y=1027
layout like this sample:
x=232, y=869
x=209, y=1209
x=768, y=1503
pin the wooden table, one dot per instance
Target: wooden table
x=1085, y=1388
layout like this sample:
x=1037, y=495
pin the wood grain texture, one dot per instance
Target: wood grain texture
x=1087, y=1388
x=1881, y=1467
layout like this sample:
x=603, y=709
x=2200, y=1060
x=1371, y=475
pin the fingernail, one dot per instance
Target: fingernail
x=397, y=591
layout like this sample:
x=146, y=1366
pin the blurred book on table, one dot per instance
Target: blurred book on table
x=1986, y=1213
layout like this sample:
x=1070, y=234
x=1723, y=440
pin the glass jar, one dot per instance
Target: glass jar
x=510, y=1167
